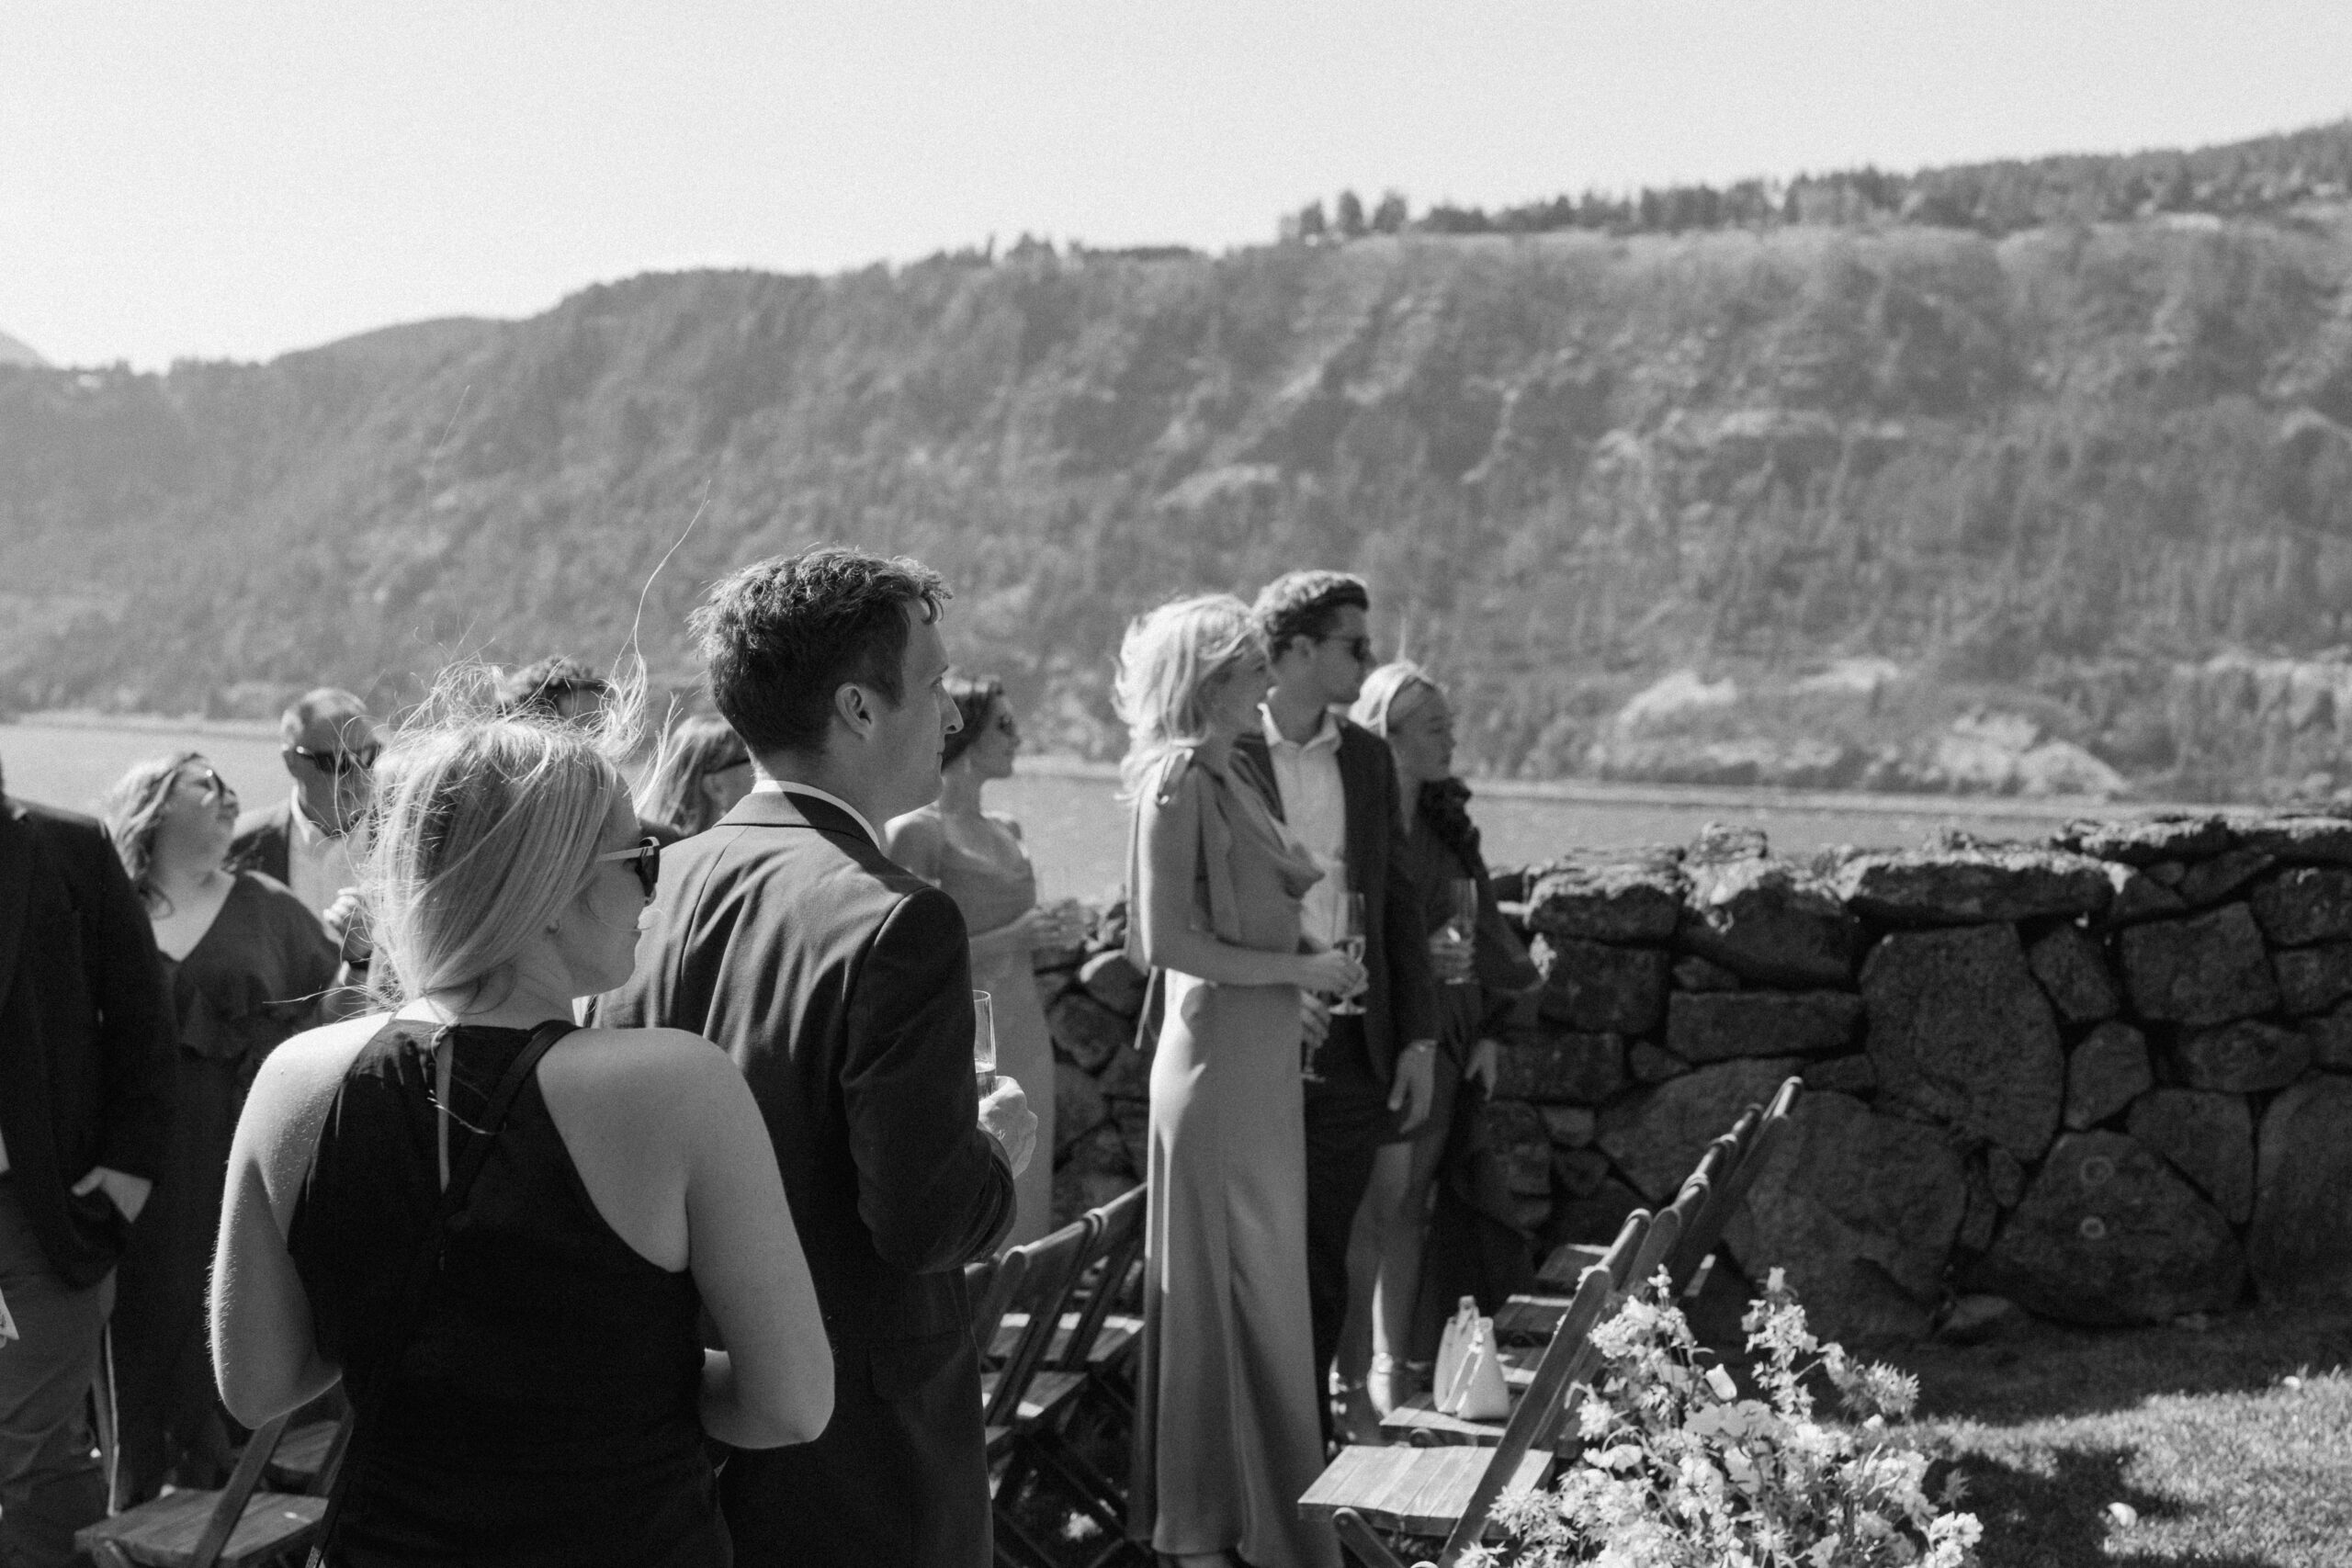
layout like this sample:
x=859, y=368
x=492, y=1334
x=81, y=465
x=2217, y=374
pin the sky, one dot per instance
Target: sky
x=213, y=180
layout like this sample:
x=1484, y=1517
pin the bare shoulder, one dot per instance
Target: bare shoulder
x=312, y=1063
x=665, y=1063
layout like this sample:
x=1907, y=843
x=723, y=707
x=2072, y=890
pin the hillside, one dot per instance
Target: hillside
x=2094, y=480
x=15, y=350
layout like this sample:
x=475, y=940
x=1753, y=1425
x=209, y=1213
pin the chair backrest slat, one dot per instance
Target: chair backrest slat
x=228, y=1509
x=1117, y=1245
x=1048, y=1270
x=1594, y=1293
x=990, y=1284
x=1765, y=1131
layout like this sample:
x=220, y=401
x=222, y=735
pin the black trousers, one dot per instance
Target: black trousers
x=1347, y=1121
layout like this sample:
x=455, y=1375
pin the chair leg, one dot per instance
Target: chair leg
x=1359, y=1537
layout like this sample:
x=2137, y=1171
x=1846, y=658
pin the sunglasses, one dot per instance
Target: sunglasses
x=334, y=764
x=644, y=858
x=216, y=788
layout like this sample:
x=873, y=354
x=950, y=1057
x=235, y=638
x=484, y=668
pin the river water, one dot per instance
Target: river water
x=1077, y=829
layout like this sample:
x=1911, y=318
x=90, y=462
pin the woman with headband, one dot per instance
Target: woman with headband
x=1404, y=705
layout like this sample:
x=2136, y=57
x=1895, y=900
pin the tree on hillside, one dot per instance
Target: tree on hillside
x=1346, y=216
x=1310, y=224
x=1390, y=216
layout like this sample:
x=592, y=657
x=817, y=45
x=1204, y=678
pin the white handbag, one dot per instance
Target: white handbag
x=1469, y=1382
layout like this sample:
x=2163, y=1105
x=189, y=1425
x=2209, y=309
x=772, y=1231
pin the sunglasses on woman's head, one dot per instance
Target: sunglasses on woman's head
x=645, y=858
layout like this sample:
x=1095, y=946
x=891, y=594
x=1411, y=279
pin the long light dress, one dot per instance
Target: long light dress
x=993, y=889
x=1234, y=1432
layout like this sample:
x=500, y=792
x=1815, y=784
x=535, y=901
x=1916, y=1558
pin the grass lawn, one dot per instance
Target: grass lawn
x=2231, y=1446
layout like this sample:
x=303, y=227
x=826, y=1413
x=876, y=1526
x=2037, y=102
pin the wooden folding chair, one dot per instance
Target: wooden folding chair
x=237, y=1527
x=1449, y=1493
x=1022, y=1398
x=988, y=1284
x=1751, y=1141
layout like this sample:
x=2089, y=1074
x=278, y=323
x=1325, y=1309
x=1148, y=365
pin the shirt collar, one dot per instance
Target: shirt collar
x=307, y=833
x=794, y=787
x=1326, y=732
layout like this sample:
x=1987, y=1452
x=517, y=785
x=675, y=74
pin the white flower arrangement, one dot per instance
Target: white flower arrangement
x=1678, y=1470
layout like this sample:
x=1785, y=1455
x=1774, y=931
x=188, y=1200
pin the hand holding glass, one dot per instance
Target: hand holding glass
x=1454, y=945
x=984, y=1039
x=1349, y=938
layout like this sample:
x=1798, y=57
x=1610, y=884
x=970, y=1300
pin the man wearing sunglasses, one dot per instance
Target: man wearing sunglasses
x=313, y=840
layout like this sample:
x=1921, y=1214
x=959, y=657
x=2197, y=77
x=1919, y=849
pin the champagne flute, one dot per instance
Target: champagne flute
x=1453, y=946
x=984, y=1040
x=1349, y=938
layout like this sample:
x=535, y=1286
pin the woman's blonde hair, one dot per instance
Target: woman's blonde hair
x=133, y=810
x=484, y=830
x=1168, y=661
x=696, y=747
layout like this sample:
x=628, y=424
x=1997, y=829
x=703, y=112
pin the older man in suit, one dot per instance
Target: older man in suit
x=314, y=840
x=842, y=984
x=1335, y=784
x=84, y=1032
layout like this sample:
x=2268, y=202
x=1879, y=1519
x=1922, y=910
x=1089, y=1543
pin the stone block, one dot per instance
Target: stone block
x=1530, y=1214
x=1132, y=1118
x=1569, y=1126
x=1085, y=1031
x=1579, y=1172
x=1077, y=1106
x=2305, y=904
x=1556, y=1067
x=1110, y=978
x=2244, y=1057
x=2106, y=1071
x=1842, y=1075
x=1514, y=1131
x=1972, y=1320
x=2139, y=897
x=1102, y=1153
x=2004, y=1176
x=2175, y=835
x=1630, y=897
x=1596, y=988
x=2299, y=1245
x=1595, y=1218
x=2331, y=1039
x=2209, y=968
x=2073, y=971
x=1657, y=1135
x=2313, y=979
x=2210, y=881
x=1654, y=1064
x=1715, y=1026
x=1958, y=1030
x=1768, y=921
x=1125, y=1076
x=2110, y=1233
x=1692, y=972
x=1973, y=888
x=2167, y=872
x=1861, y=1212
x=2208, y=1137
x=2300, y=840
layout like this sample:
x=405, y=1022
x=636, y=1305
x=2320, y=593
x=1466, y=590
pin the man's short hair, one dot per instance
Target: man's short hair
x=331, y=704
x=540, y=688
x=782, y=637
x=1306, y=604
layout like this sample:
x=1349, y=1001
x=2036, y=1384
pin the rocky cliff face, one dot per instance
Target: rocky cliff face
x=2037, y=475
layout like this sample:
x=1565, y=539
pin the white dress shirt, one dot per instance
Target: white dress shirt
x=1315, y=808
x=318, y=864
x=794, y=787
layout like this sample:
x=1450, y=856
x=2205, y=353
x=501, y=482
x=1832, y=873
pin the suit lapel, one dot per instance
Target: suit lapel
x=16, y=889
x=1359, y=788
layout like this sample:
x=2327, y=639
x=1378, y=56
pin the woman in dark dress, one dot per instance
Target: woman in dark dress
x=1401, y=703
x=545, y=1398
x=248, y=966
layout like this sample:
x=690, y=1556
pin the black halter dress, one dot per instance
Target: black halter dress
x=546, y=1410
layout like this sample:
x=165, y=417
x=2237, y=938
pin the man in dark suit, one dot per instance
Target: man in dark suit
x=842, y=984
x=84, y=1028
x=1335, y=784
x=314, y=840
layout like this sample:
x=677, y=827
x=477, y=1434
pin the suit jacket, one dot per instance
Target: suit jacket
x=1401, y=1001
x=85, y=1032
x=842, y=984
x=262, y=841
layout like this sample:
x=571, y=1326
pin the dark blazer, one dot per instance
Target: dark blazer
x=1400, y=996
x=841, y=986
x=85, y=1032
x=263, y=840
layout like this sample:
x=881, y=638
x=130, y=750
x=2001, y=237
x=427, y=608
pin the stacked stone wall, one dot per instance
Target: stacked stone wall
x=2107, y=1078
